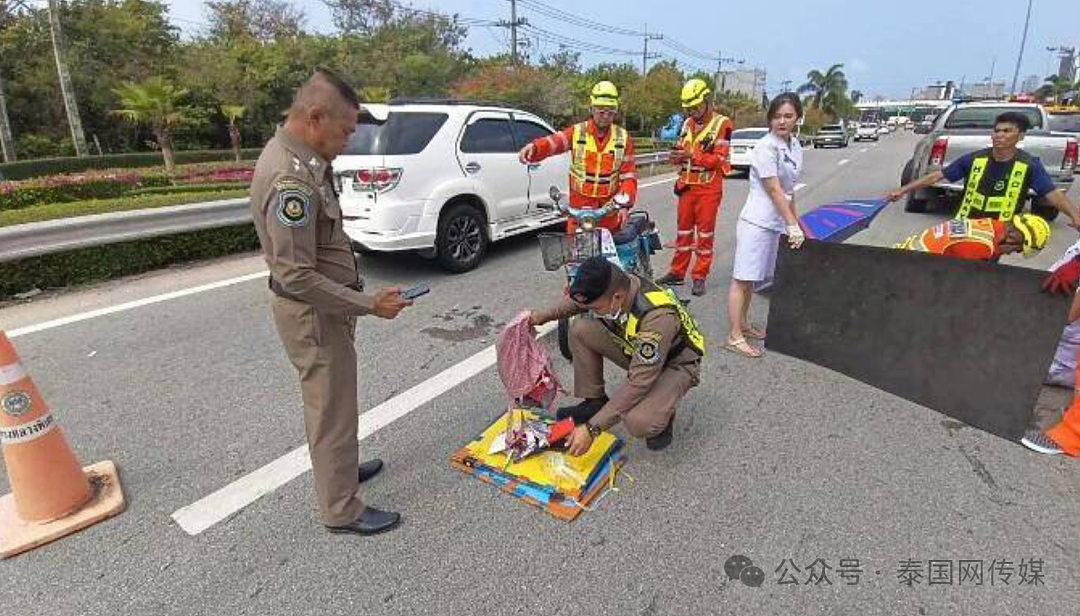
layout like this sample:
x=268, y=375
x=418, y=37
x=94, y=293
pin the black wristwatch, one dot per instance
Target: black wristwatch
x=594, y=431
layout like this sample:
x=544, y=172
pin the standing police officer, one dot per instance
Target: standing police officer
x=316, y=291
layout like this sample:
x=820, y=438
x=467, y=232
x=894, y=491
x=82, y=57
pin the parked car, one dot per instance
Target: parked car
x=442, y=178
x=967, y=127
x=742, y=145
x=831, y=134
x=867, y=131
x=883, y=129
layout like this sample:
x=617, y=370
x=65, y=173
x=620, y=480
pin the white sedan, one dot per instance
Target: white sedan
x=742, y=144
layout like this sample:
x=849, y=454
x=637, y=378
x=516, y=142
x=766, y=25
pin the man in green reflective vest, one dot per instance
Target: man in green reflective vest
x=643, y=329
x=998, y=179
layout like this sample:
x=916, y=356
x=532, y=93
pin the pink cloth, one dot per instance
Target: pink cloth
x=524, y=365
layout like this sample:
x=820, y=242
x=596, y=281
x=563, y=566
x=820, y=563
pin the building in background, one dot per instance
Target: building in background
x=938, y=92
x=1030, y=84
x=988, y=90
x=750, y=82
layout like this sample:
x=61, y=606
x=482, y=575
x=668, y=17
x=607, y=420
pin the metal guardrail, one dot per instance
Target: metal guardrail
x=53, y=236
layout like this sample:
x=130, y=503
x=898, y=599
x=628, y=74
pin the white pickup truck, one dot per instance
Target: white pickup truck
x=967, y=127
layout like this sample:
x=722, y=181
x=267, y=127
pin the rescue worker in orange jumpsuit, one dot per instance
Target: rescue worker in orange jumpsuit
x=982, y=239
x=703, y=158
x=602, y=157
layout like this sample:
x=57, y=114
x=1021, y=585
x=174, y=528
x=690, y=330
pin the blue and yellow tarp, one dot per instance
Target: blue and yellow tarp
x=558, y=483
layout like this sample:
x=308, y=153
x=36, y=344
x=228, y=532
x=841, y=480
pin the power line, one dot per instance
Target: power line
x=570, y=18
x=572, y=43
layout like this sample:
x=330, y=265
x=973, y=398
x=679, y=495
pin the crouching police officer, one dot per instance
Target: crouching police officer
x=641, y=328
x=316, y=291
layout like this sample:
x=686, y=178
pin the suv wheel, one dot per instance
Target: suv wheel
x=460, y=241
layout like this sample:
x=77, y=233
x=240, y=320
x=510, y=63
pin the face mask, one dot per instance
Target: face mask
x=616, y=316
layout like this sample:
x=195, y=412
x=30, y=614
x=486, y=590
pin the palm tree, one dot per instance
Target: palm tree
x=1056, y=86
x=233, y=113
x=157, y=103
x=826, y=91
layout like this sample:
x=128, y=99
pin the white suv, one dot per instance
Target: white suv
x=443, y=178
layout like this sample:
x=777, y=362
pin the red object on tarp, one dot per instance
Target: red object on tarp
x=560, y=430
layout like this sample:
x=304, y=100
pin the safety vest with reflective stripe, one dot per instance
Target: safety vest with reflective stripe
x=688, y=141
x=649, y=298
x=595, y=173
x=939, y=238
x=1003, y=202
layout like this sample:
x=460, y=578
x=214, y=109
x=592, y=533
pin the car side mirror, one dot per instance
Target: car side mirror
x=555, y=194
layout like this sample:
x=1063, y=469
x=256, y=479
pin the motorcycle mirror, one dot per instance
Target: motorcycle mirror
x=555, y=194
x=621, y=199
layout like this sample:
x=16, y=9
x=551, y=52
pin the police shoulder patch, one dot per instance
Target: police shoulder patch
x=648, y=348
x=294, y=202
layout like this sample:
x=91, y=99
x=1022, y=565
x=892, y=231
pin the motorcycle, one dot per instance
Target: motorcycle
x=631, y=248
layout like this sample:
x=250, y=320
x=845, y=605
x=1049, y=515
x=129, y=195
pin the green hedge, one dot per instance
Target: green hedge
x=125, y=259
x=66, y=189
x=188, y=188
x=38, y=167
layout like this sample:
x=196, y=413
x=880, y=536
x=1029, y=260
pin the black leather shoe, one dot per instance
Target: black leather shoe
x=369, y=469
x=663, y=438
x=372, y=522
x=699, y=288
x=583, y=411
x=669, y=280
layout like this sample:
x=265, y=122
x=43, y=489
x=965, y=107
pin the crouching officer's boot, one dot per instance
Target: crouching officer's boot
x=583, y=411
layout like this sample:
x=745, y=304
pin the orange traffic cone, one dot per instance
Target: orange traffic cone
x=52, y=495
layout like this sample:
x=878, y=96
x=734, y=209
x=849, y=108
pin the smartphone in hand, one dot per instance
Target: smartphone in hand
x=415, y=292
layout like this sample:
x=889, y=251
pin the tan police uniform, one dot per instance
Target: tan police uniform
x=316, y=299
x=661, y=368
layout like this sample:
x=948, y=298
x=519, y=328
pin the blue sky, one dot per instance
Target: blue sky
x=887, y=47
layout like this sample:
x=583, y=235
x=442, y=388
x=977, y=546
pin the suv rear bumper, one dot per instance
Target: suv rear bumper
x=392, y=226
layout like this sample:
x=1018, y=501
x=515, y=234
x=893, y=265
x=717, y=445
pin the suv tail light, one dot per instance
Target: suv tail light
x=378, y=179
x=1069, y=162
x=937, y=153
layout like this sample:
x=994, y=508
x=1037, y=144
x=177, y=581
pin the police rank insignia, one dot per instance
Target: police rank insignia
x=648, y=347
x=294, y=203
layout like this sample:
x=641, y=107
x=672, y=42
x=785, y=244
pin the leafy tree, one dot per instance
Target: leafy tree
x=157, y=103
x=263, y=20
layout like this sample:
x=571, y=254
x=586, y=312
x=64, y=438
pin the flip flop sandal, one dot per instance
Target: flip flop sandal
x=742, y=347
x=753, y=333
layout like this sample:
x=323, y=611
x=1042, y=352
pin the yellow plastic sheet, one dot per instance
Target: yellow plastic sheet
x=549, y=468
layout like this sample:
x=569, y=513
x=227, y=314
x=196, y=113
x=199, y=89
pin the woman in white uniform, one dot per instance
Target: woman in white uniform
x=776, y=164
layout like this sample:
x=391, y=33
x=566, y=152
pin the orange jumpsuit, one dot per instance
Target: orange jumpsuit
x=973, y=239
x=595, y=165
x=701, y=185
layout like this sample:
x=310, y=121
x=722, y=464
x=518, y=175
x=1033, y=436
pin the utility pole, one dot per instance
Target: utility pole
x=513, y=25
x=645, y=55
x=6, y=142
x=1020, y=56
x=785, y=85
x=719, y=80
x=77, y=135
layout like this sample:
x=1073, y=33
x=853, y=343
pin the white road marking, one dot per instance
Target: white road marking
x=842, y=162
x=225, y=502
x=663, y=181
x=799, y=186
x=146, y=301
x=863, y=151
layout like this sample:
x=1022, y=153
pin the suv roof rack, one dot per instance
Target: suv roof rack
x=447, y=101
